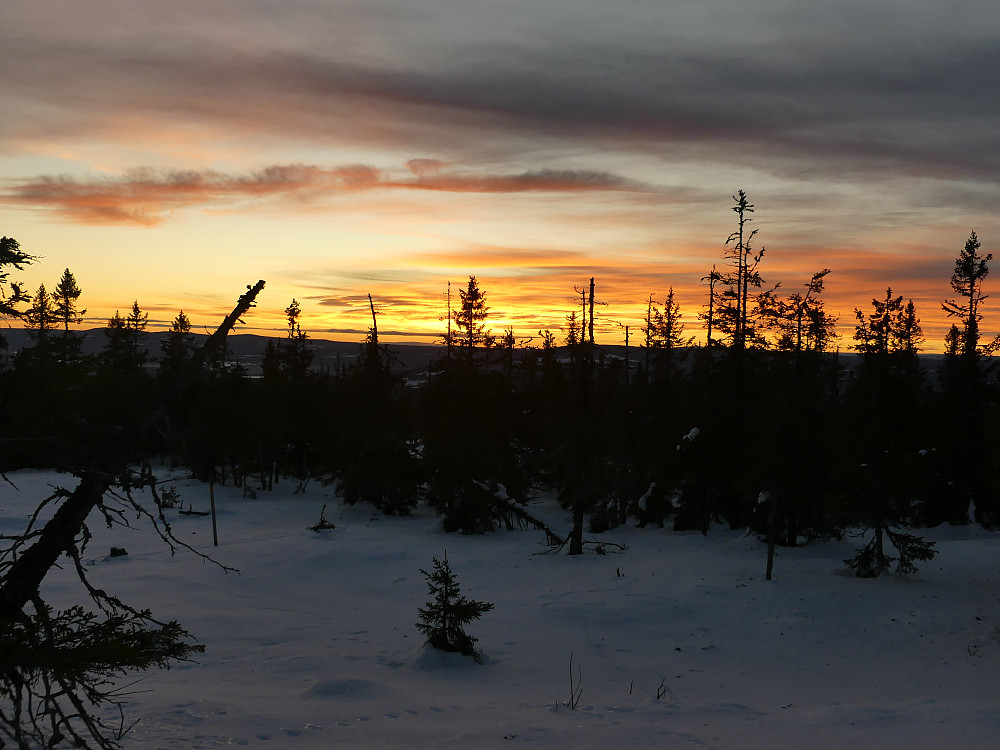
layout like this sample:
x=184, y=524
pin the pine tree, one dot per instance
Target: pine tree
x=470, y=318
x=444, y=618
x=971, y=268
x=733, y=315
x=123, y=349
x=572, y=331
x=890, y=328
x=115, y=350
x=135, y=323
x=295, y=356
x=953, y=341
x=663, y=330
x=669, y=332
x=40, y=318
x=888, y=433
x=40, y=321
x=64, y=298
x=67, y=312
x=177, y=347
x=966, y=390
x=708, y=315
x=802, y=322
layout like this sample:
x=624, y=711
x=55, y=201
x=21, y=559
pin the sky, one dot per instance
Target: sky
x=173, y=153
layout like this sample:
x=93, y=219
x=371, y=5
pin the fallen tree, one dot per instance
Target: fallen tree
x=57, y=667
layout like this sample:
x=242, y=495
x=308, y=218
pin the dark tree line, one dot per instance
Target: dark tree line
x=695, y=433
x=762, y=427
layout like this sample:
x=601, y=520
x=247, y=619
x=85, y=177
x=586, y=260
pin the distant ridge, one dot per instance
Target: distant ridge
x=248, y=348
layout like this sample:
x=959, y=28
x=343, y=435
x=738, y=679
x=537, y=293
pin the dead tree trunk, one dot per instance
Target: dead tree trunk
x=590, y=323
x=217, y=340
x=374, y=321
x=25, y=575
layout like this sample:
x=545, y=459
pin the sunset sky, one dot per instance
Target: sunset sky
x=175, y=152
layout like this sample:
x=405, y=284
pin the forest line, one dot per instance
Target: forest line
x=742, y=306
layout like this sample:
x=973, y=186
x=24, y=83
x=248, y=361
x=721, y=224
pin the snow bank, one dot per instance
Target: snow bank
x=314, y=644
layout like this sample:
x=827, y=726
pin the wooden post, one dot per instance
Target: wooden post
x=772, y=530
x=211, y=497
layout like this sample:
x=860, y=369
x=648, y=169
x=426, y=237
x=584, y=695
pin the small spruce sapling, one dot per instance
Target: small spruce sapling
x=445, y=616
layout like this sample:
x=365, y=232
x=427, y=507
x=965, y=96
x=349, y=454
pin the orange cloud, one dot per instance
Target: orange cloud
x=148, y=197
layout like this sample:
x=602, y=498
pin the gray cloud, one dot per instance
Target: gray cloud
x=848, y=88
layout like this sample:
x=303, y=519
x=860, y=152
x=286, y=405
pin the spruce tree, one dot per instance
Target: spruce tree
x=708, y=314
x=732, y=315
x=177, y=348
x=670, y=325
x=966, y=394
x=135, y=324
x=887, y=431
x=801, y=320
x=40, y=318
x=444, y=618
x=471, y=318
x=67, y=312
x=65, y=305
x=971, y=268
x=295, y=356
x=889, y=329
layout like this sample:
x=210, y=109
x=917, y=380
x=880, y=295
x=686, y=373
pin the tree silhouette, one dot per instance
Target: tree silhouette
x=12, y=294
x=67, y=312
x=178, y=346
x=664, y=330
x=123, y=351
x=293, y=357
x=966, y=398
x=886, y=432
x=802, y=321
x=971, y=268
x=708, y=315
x=470, y=318
x=889, y=329
x=445, y=616
x=41, y=318
x=732, y=315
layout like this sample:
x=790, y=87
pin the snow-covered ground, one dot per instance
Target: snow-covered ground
x=313, y=643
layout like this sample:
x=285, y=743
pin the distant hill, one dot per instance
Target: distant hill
x=249, y=348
